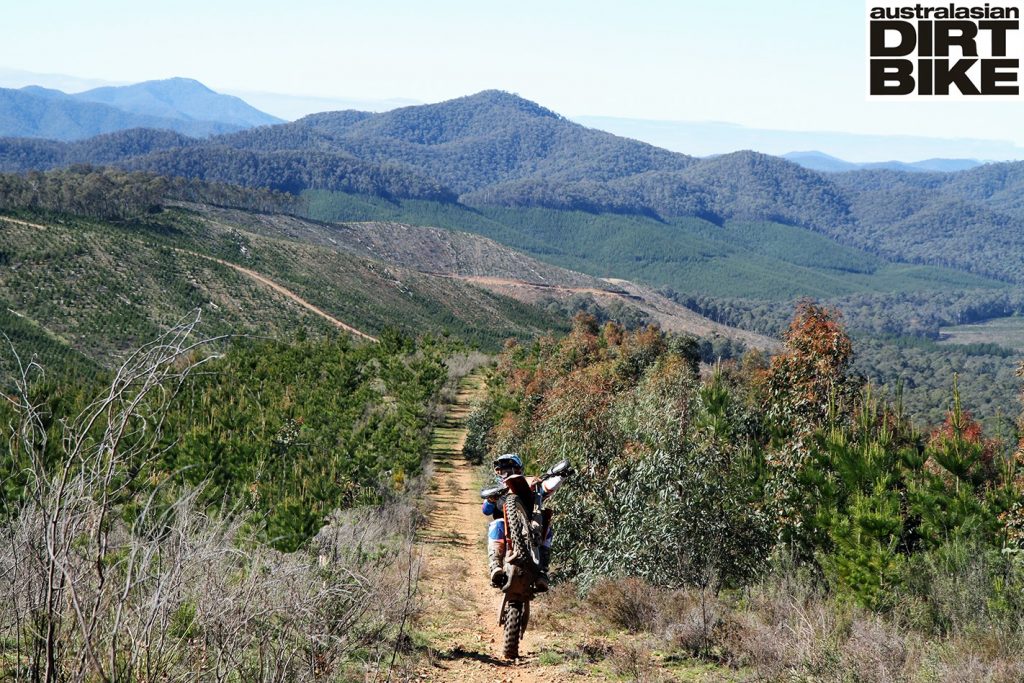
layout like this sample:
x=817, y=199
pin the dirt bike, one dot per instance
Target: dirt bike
x=526, y=526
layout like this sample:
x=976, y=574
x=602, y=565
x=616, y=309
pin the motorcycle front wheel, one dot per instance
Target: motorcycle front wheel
x=518, y=532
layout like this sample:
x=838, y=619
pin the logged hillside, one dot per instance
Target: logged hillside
x=475, y=260
x=104, y=288
x=102, y=285
x=427, y=249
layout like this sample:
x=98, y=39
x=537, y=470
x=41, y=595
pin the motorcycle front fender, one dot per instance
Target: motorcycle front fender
x=520, y=485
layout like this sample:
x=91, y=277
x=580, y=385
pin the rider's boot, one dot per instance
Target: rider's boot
x=545, y=561
x=496, y=562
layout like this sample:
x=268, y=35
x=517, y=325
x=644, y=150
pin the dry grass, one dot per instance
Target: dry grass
x=634, y=661
x=628, y=603
x=782, y=630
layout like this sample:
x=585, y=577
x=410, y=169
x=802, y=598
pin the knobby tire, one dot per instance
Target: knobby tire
x=518, y=532
x=513, y=629
x=518, y=536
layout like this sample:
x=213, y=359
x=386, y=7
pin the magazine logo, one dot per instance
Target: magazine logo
x=955, y=51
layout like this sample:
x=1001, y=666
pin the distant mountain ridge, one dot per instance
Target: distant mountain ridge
x=819, y=161
x=492, y=148
x=45, y=115
x=703, y=138
x=179, y=98
x=178, y=104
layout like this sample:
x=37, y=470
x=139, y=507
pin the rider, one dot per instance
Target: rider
x=504, y=467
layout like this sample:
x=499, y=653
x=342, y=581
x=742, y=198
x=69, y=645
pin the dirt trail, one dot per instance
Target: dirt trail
x=460, y=614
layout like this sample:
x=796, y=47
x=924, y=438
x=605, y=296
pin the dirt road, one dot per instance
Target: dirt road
x=460, y=615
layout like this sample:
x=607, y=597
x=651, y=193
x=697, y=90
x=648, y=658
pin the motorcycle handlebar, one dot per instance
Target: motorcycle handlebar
x=493, y=492
x=562, y=469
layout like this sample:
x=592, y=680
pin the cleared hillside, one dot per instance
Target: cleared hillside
x=460, y=256
x=426, y=249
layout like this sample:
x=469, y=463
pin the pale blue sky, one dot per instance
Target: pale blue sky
x=790, y=64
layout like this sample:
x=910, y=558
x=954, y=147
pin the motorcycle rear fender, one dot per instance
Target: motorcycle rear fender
x=519, y=585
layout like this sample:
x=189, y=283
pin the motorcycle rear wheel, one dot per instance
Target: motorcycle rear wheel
x=513, y=629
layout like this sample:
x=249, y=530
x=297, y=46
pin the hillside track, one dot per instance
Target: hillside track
x=460, y=609
x=284, y=291
x=17, y=221
x=251, y=274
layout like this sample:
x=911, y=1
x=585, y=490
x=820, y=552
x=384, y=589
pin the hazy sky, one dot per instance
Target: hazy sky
x=791, y=64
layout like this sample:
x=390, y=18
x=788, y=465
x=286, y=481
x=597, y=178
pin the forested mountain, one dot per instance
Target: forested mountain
x=19, y=155
x=752, y=186
x=35, y=115
x=471, y=142
x=292, y=171
x=172, y=154
x=179, y=98
x=497, y=149
x=178, y=104
x=969, y=220
x=464, y=145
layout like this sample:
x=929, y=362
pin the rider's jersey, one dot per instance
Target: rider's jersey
x=494, y=509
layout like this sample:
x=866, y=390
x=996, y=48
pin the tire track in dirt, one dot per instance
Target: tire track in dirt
x=460, y=608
